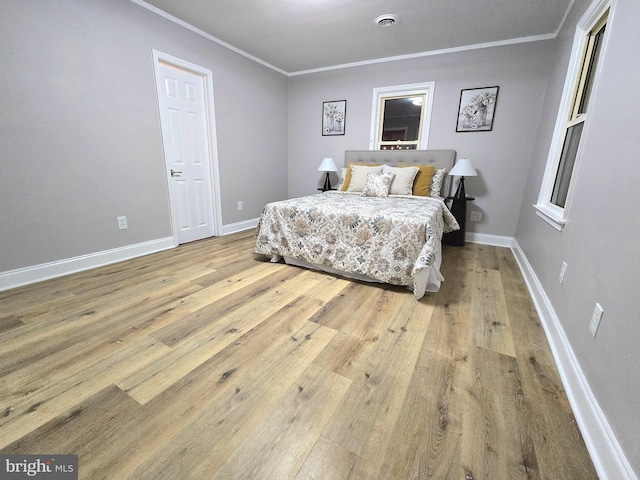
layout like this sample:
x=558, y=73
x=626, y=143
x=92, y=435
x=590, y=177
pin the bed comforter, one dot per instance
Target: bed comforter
x=391, y=239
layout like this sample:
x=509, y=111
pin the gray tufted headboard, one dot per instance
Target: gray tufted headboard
x=437, y=158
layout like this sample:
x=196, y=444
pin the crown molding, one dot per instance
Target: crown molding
x=204, y=34
x=463, y=48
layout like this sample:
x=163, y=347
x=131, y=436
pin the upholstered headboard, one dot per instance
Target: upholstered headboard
x=437, y=158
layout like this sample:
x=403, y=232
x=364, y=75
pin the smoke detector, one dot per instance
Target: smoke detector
x=386, y=20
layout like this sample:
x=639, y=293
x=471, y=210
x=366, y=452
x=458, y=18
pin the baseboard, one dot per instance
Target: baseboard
x=46, y=271
x=486, y=239
x=604, y=449
x=240, y=226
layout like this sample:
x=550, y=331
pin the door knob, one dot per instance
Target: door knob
x=174, y=173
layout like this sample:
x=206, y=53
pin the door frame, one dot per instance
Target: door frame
x=212, y=139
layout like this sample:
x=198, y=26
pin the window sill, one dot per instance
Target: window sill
x=550, y=216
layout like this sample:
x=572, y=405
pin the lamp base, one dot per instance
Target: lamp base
x=460, y=194
x=327, y=183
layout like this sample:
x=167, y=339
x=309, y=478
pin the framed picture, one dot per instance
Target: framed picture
x=477, y=109
x=333, y=117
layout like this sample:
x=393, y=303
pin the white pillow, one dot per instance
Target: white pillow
x=402, y=183
x=436, y=182
x=378, y=184
x=359, y=177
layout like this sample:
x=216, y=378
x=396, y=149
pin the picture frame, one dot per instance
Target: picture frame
x=477, y=108
x=334, y=116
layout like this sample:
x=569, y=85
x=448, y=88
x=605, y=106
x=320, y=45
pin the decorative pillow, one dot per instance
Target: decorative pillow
x=422, y=182
x=402, y=183
x=347, y=176
x=436, y=182
x=378, y=184
x=359, y=177
x=343, y=172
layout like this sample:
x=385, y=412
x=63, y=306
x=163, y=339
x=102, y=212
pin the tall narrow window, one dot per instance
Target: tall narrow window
x=565, y=149
x=400, y=118
x=575, y=122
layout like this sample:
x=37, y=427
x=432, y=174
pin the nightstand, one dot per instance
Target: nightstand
x=459, y=210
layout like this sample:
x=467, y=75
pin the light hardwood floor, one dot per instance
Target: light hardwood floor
x=208, y=362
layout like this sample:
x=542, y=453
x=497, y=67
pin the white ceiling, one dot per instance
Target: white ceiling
x=296, y=36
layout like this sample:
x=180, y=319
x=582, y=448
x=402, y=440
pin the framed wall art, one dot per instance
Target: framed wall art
x=477, y=109
x=333, y=117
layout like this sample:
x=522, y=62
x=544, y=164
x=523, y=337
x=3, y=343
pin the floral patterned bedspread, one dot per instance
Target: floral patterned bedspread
x=390, y=239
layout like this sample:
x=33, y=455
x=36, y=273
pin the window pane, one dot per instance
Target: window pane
x=591, y=70
x=401, y=118
x=565, y=169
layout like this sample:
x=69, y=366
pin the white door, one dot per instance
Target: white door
x=185, y=132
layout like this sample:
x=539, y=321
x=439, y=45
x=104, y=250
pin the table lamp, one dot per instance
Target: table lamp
x=462, y=168
x=327, y=165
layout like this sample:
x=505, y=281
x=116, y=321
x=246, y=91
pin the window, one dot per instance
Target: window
x=401, y=122
x=400, y=117
x=564, y=153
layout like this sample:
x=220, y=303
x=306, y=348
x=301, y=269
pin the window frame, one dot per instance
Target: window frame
x=413, y=89
x=596, y=16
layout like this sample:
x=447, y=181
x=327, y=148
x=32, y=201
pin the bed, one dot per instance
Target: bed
x=383, y=224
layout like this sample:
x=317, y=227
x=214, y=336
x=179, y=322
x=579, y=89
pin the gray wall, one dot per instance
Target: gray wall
x=80, y=138
x=599, y=240
x=501, y=156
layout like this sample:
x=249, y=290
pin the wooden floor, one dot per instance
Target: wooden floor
x=207, y=362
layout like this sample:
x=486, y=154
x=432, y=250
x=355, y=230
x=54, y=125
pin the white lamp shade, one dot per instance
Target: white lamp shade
x=328, y=165
x=463, y=168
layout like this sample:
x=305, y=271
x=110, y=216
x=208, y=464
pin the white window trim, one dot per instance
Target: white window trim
x=426, y=88
x=550, y=213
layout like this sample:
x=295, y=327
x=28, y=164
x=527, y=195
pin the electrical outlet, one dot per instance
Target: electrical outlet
x=595, y=319
x=122, y=223
x=563, y=270
x=240, y=205
x=476, y=216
